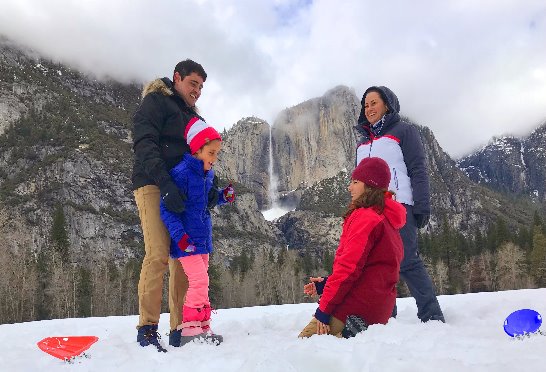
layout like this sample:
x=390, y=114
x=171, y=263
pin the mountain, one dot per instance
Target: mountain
x=456, y=200
x=65, y=142
x=245, y=157
x=309, y=142
x=315, y=139
x=69, y=228
x=65, y=139
x=511, y=165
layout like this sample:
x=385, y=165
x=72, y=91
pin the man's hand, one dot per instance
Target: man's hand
x=213, y=194
x=172, y=197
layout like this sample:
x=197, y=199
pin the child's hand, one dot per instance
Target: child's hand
x=185, y=245
x=310, y=289
x=229, y=194
x=322, y=328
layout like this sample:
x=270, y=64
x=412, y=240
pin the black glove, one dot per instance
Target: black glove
x=421, y=220
x=353, y=326
x=214, y=195
x=172, y=197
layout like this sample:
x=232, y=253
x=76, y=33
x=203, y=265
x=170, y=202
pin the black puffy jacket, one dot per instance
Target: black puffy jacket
x=158, y=133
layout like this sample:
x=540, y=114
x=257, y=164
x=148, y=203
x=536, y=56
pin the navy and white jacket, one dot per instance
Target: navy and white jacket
x=194, y=225
x=399, y=144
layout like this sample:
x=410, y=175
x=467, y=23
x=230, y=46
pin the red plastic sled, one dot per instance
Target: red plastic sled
x=66, y=347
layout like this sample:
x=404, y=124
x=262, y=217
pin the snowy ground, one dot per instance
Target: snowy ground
x=275, y=212
x=264, y=339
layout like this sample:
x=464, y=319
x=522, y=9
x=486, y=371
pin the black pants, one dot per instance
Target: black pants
x=413, y=272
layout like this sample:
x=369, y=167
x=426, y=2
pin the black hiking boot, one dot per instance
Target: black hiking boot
x=439, y=317
x=174, y=337
x=353, y=325
x=148, y=335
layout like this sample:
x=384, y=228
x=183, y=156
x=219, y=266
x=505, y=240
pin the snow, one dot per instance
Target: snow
x=274, y=213
x=265, y=339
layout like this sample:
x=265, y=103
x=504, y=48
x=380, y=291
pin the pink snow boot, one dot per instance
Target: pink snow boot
x=205, y=325
x=192, y=326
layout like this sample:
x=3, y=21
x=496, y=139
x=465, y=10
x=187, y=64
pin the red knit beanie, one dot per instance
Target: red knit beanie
x=373, y=172
x=198, y=133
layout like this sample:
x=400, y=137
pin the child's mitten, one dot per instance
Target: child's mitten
x=229, y=194
x=185, y=245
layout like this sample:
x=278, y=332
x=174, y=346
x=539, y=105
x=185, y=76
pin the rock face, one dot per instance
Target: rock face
x=315, y=139
x=462, y=203
x=511, y=165
x=18, y=93
x=309, y=142
x=65, y=140
x=245, y=157
x=241, y=226
x=310, y=231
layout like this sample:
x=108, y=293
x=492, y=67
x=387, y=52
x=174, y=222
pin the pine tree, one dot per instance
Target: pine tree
x=479, y=242
x=59, y=236
x=503, y=235
x=538, y=256
x=44, y=298
x=327, y=261
x=215, y=285
x=537, y=221
x=84, y=291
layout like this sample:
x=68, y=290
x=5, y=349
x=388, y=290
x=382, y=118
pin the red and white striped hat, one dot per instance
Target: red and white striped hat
x=198, y=133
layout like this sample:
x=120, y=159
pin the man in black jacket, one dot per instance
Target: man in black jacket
x=158, y=145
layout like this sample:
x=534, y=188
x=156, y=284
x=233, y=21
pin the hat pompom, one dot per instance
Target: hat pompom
x=198, y=133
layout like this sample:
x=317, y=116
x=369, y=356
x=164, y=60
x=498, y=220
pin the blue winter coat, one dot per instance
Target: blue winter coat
x=192, y=180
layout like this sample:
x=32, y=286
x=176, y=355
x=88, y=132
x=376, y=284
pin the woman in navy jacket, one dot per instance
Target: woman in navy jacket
x=385, y=135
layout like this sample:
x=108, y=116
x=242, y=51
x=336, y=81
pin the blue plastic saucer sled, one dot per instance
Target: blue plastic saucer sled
x=522, y=322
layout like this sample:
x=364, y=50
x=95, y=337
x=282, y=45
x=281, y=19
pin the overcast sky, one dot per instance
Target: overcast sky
x=469, y=70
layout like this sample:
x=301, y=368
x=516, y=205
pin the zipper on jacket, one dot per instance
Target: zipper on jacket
x=395, y=178
x=203, y=213
x=372, y=137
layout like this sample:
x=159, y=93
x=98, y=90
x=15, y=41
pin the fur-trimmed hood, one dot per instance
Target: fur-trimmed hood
x=163, y=86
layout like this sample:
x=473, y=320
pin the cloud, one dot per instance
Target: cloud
x=468, y=70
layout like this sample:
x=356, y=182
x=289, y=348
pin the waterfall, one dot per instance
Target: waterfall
x=275, y=210
x=273, y=179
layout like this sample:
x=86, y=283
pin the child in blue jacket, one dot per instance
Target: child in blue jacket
x=191, y=230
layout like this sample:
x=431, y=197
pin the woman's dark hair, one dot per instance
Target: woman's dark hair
x=381, y=94
x=372, y=197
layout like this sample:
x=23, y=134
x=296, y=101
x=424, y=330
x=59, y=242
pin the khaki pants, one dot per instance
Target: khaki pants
x=156, y=260
x=336, y=326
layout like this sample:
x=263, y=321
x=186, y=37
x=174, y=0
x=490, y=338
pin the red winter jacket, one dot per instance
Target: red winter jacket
x=366, y=266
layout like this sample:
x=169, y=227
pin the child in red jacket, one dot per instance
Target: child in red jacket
x=367, y=261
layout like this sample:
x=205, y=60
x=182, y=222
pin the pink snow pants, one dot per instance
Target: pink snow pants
x=196, y=268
